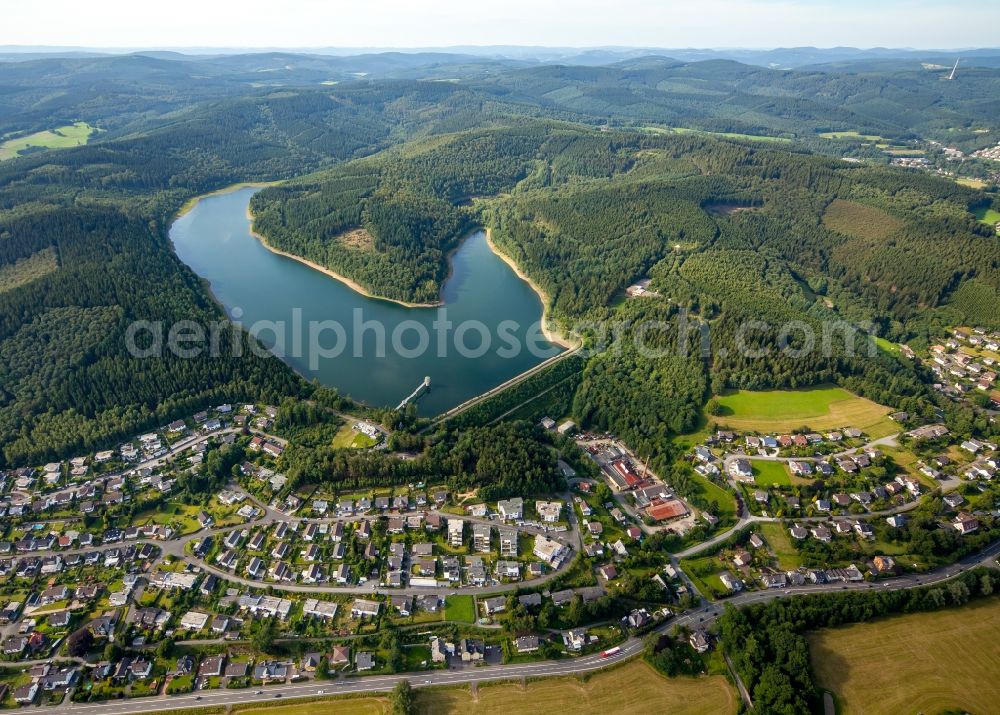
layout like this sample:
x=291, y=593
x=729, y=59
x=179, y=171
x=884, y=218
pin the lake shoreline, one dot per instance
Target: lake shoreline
x=353, y=285
x=554, y=337
x=551, y=335
x=188, y=205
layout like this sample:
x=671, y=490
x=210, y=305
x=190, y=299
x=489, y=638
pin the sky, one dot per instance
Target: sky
x=443, y=23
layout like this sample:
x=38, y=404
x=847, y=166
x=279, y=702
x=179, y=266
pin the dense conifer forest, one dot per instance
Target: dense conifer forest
x=572, y=168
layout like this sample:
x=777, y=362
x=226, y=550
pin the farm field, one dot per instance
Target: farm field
x=852, y=135
x=59, y=138
x=771, y=473
x=727, y=135
x=780, y=543
x=818, y=408
x=903, y=151
x=971, y=183
x=339, y=706
x=948, y=660
x=648, y=692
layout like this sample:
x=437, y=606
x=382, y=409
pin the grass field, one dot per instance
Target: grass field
x=340, y=706
x=971, y=183
x=780, y=543
x=903, y=151
x=925, y=662
x=350, y=438
x=59, y=138
x=818, y=408
x=714, y=493
x=854, y=219
x=987, y=215
x=852, y=135
x=725, y=135
x=26, y=270
x=887, y=346
x=460, y=608
x=768, y=474
x=647, y=692
x=704, y=574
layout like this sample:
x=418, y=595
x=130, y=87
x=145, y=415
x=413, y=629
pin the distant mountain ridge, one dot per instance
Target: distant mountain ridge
x=781, y=57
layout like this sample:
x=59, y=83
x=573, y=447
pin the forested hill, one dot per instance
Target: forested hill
x=726, y=96
x=729, y=231
x=408, y=162
x=585, y=212
x=95, y=219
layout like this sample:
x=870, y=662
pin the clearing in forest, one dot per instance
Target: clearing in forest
x=59, y=138
x=26, y=270
x=859, y=220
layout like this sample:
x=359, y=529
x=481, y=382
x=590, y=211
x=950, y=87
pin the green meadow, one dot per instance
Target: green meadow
x=768, y=474
x=59, y=138
x=987, y=215
x=824, y=407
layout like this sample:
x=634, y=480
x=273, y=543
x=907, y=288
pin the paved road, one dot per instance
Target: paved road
x=746, y=518
x=631, y=647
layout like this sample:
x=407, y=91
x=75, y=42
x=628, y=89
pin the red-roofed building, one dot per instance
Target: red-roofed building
x=662, y=509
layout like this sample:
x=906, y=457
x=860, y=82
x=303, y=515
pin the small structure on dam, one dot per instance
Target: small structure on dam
x=421, y=389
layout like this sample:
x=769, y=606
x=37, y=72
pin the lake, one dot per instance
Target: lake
x=487, y=331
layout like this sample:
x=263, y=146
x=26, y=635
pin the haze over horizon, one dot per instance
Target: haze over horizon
x=305, y=24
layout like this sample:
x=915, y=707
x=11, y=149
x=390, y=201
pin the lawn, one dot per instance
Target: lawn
x=818, y=408
x=771, y=474
x=971, y=183
x=780, y=544
x=987, y=215
x=460, y=608
x=647, y=692
x=173, y=512
x=924, y=662
x=887, y=346
x=59, y=138
x=713, y=493
x=350, y=438
x=704, y=574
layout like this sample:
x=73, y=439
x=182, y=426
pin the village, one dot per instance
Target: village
x=319, y=565
x=110, y=553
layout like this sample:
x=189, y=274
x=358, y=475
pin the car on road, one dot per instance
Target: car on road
x=277, y=695
x=258, y=692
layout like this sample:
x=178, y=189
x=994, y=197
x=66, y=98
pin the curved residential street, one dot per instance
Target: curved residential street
x=632, y=647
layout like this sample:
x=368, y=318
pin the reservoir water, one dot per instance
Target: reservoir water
x=487, y=330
